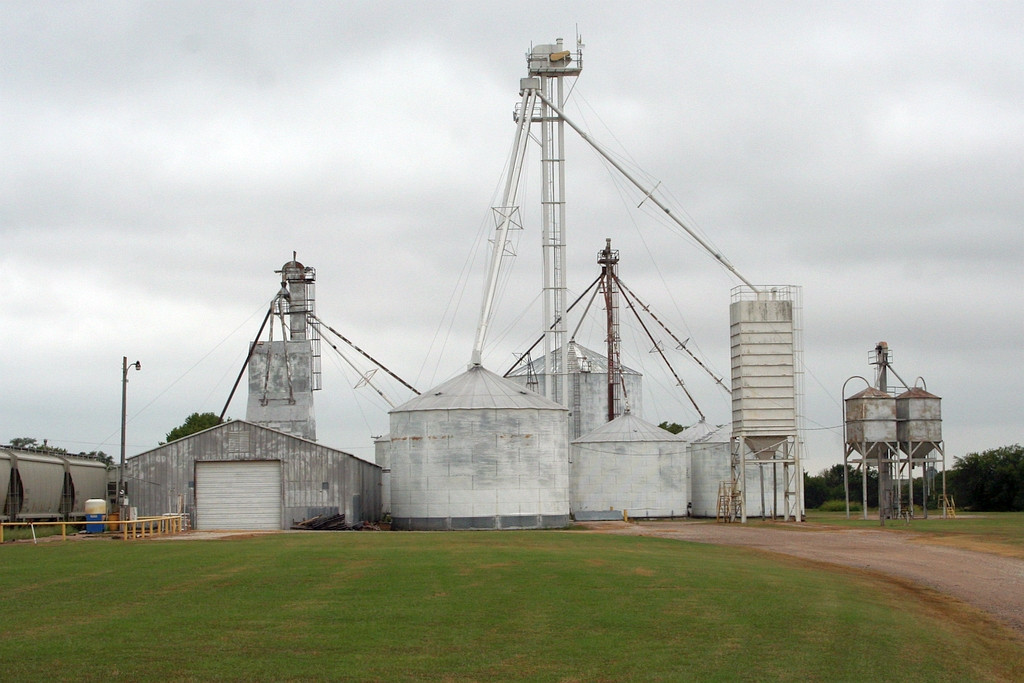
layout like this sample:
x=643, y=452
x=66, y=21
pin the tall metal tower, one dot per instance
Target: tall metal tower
x=284, y=374
x=542, y=96
x=548, y=67
x=608, y=259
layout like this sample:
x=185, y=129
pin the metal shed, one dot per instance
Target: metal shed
x=239, y=475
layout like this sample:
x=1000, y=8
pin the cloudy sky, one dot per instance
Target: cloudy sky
x=161, y=160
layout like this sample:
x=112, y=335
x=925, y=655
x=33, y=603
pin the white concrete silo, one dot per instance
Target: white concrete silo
x=628, y=467
x=479, y=452
x=766, y=371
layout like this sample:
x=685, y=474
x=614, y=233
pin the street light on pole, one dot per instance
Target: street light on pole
x=121, y=498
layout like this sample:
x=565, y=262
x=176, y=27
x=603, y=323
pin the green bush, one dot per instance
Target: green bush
x=838, y=506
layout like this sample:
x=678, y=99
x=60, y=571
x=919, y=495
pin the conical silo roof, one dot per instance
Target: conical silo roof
x=579, y=357
x=720, y=434
x=696, y=432
x=626, y=428
x=916, y=392
x=870, y=392
x=475, y=389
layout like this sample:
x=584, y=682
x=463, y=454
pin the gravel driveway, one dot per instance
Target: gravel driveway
x=989, y=582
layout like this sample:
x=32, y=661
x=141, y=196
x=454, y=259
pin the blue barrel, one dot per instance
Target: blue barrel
x=95, y=511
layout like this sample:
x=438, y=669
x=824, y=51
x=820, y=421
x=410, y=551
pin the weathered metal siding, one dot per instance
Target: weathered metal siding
x=282, y=399
x=919, y=416
x=315, y=479
x=638, y=479
x=870, y=421
x=592, y=388
x=479, y=452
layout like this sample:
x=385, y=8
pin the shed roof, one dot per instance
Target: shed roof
x=234, y=425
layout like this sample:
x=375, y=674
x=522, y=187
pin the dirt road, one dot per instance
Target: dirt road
x=989, y=582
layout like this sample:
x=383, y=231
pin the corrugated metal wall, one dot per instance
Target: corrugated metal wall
x=315, y=479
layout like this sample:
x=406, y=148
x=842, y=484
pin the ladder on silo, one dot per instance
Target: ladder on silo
x=728, y=502
x=948, y=506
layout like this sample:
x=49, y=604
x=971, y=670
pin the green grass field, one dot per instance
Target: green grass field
x=548, y=606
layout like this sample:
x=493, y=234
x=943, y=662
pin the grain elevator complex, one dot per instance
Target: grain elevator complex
x=558, y=436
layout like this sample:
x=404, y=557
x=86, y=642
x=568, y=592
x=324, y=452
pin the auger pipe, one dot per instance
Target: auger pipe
x=648, y=194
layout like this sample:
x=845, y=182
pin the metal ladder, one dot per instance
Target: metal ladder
x=728, y=502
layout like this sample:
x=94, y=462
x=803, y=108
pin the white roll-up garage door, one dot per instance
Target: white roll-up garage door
x=241, y=494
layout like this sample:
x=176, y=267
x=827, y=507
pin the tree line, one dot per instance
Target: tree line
x=991, y=480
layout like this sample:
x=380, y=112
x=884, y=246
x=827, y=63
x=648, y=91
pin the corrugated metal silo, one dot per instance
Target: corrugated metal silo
x=710, y=466
x=479, y=452
x=588, y=386
x=628, y=466
x=871, y=422
x=919, y=417
x=710, y=456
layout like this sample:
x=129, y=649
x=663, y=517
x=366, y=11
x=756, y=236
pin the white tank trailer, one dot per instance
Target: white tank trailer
x=39, y=485
x=628, y=468
x=479, y=452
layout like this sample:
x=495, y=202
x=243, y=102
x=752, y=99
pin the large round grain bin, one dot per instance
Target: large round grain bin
x=871, y=422
x=95, y=514
x=628, y=467
x=710, y=457
x=711, y=465
x=479, y=452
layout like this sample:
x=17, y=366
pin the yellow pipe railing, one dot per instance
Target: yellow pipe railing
x=142, y=527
